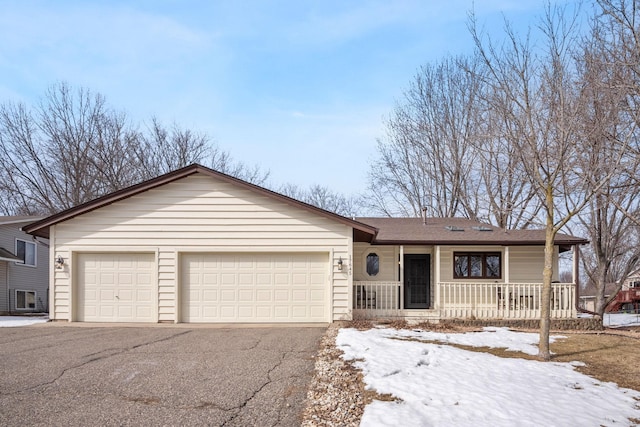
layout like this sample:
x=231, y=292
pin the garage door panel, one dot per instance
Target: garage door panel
x=228, y=279
x=208, y=295
x=264, y=295
x=280, y=287
x=227, y=295
x=115, y=287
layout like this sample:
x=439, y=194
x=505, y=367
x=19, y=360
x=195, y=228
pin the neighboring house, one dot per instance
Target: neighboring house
x=24, y=267
x=196, y=245
x=628, y=298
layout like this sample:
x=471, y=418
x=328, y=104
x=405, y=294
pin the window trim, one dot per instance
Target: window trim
x=484, y=255
x=35, y=300
x=35, y=253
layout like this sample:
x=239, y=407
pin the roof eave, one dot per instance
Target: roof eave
x=478, y=242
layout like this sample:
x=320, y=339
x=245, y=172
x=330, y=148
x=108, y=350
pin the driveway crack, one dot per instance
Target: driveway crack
x=257, y=391
x=101, y=355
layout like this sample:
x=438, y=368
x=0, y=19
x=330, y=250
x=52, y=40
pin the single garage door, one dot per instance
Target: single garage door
x=250, y=287
x=115, y=287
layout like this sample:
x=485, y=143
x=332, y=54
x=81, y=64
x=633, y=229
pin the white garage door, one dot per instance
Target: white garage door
x=242, y=287
x=115, y=287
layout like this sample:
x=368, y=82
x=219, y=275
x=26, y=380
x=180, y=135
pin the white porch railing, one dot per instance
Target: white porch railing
x=467, y=300
x=377, y=299
x=504, y=300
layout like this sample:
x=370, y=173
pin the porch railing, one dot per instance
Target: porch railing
x=468, y=300
x=504, y=300
x=378, y=298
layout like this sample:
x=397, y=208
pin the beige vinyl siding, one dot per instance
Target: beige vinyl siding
x=527, y=263
x=201, y=213
x=388, y=256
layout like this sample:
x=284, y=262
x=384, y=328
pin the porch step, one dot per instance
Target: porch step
x=420, y=316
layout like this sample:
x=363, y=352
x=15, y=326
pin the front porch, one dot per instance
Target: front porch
x=463, y=300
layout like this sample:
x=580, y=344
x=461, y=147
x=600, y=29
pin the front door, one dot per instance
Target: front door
x=417, y=273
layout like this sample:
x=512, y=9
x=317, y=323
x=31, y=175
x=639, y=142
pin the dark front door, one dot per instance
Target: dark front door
x=417, y=274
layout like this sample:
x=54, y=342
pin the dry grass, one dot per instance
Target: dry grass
x=609, y=355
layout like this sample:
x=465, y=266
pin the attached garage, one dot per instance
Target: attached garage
x=254, y=287
x=115, y=287
x=196, y=245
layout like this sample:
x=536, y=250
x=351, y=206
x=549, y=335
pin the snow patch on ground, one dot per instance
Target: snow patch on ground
x=438, y=384
x=613, y=320
x=15, y=321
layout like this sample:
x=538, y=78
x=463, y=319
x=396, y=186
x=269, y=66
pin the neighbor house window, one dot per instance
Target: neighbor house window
x=25, y=300
x=635, y=284
x=26, y=251
x=373, y=264
x=477, y=265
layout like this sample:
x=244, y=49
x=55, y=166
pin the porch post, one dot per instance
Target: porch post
x=401, y=267
x=436, y=276
x=506, y=264
x=576, y=275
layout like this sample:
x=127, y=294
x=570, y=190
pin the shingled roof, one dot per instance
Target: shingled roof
x=457, y=231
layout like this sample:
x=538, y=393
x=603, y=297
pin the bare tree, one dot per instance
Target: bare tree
x=447, y=153
x=611, y=87
x=426, y=158
x=537, y=94
x=324, y=198
x=48, y=155
x=73, y=148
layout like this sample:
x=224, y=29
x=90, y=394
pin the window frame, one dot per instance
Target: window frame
x=25, y=308
x=484, y=255
x=24, y=260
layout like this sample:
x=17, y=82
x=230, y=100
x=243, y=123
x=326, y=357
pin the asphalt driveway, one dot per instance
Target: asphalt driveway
x=155, y=375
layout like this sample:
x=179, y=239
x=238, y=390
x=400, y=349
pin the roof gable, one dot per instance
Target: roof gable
x=41, y=228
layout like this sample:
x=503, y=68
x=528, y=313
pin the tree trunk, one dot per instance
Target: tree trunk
x=547, y=273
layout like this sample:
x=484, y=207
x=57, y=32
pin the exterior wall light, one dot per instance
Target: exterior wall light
x=340, y=264
x=59, y=263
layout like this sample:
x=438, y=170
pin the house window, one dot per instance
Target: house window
x=635, y=284
x=477, y=265
x=373, y=264
x=25, y=300
x=26, y=251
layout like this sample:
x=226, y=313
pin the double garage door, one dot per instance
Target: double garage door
x=213, y=287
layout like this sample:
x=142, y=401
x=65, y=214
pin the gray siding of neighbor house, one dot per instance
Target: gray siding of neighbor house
x=15, y=277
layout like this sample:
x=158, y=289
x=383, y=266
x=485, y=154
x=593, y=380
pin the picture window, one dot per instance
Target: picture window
x=477, y=265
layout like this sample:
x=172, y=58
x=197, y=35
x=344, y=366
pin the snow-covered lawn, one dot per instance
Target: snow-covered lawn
x=437, y=384
x=13, y=321
x=621, y=319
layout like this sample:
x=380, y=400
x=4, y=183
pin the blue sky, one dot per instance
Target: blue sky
x=299, y=87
